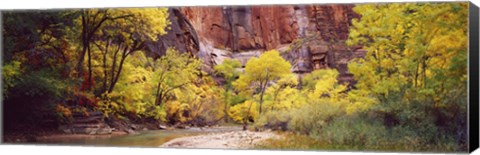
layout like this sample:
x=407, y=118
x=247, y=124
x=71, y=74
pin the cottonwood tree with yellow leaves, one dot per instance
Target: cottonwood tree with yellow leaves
x=130, y=26
x=416, y=59
x=409, y=45
x=259, y=72
x=124, y=32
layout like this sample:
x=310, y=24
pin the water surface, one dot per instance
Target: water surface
x=151, y=138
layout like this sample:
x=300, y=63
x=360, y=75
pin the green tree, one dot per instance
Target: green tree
x=38, y=39
x=229, y=70
x=259, y=72
x=127, y=28
x=10, y=75
x=36, y=65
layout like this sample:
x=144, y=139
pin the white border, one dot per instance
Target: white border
x=77, y=150
x=73, y=150
x=49, y=4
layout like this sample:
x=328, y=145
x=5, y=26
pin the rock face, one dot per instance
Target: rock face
x=241, y=28
x=309, y=36
x=182, y=36
x=91, y=123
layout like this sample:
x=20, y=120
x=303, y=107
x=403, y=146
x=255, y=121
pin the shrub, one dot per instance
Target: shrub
x=33, y=99
x=245, y=112
x=10, y=75
x=314, y=116
x=64, y=114
x=276, y=120
x=351, y=131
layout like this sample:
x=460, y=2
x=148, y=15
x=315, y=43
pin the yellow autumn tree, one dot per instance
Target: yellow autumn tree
x=413, y=48
x=284, y=95
x=197, y=103
x=259, y=72
x=124, y=31
x=414, y=73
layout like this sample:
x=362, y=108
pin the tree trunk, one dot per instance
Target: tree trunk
x=416, y=74
x=424, y=73
x=114, y=65
x=263, y=86
x=105, y=74
x=261, y=101
x=80, y=61
x=275, y=97
x=225, y=110
x=84, y=45
x=158, y=94
x=120, y=66
x=89, y=68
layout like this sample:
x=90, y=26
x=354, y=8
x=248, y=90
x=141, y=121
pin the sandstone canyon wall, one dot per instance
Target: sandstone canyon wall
x=267, y=27
x=309, y=36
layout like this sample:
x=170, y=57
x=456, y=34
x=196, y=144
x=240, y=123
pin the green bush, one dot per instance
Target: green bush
x=393, y=124
x=276, y=120
x=10, y=75
x=351, y=131
x=314, y=116
x=34, y=97
x=366, y=133
x=421, y=123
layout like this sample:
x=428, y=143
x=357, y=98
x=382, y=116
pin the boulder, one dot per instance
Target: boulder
x=130, y=131
x=162, y=127
x=104, y=131
x=133, y=126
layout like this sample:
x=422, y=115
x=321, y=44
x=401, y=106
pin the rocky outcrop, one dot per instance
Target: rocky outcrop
x=91, y=123
x=181, y=35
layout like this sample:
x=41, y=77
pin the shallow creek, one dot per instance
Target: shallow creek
x=151, y=138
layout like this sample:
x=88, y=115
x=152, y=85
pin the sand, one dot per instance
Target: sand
x=225, y=140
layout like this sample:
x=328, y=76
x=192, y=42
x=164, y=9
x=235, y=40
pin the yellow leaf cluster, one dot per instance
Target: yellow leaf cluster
x=243, y=112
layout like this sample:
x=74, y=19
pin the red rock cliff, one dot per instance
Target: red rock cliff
x=240, y=28
x=309, y=36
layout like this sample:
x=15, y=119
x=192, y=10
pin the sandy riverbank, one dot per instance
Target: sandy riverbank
x=226, y=140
